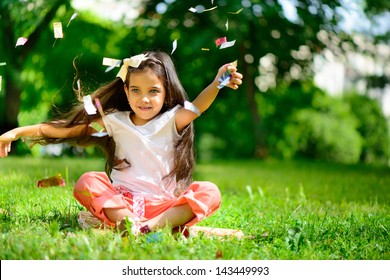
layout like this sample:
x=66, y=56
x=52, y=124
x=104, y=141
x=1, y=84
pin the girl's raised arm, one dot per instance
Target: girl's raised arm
x=207, y=96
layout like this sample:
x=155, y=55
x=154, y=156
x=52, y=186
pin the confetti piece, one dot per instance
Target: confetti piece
x=174, y=46
x=21, y=41
x=111, y=62
x=210, y=9
x=1, y=80
x=3, y=63
x=71, y=18
x=194, y=10
x=220, y=41
x=99, y=134
x=96, y=126
x=205, y=49
x=88, y=105
x=99, y=106
x=236, y=13
x=79, y=91
x=228, y=44
x=235, y=63
x=58, y=30
x=136, y=60
x=191, y=107
x=51, y=182
x=227, y=24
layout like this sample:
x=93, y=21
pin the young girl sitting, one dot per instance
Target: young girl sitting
x=149, y=146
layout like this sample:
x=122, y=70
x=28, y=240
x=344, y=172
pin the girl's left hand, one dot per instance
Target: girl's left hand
x=235, y=78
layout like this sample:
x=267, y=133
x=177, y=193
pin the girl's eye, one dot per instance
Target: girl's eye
x=134, y=90
x=154, y=91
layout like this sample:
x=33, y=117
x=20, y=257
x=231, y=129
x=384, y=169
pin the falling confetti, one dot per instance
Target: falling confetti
x=200, y=10
x=99, y=130
x=205, y=49
x=99, y=106
x=208, y=10
x=58, y=30
x=111, y=62
x=236, y=13
x=21, y=41
x=3, y=63
x=71, y=18
x=79, y=96
x=174, y=46
x=228, y=44
x=227, y=24
x=220, y=41
x=88, y=105
x=1, y=80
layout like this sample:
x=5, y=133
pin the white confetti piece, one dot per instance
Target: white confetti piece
x=174, y=46
x=193, y=10
x=1, y=80
x=3, y=63
x=21, y=41
x=111, y=62
x=227, y=24
x=228, y=44
x=71, y=18
x=58, y=30
x=88, y=105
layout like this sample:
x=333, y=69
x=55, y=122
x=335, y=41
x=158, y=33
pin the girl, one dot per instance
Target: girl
x=149, y=146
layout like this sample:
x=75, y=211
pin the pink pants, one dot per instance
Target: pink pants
x=95, y=191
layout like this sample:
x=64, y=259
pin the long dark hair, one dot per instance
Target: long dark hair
x=113, y=98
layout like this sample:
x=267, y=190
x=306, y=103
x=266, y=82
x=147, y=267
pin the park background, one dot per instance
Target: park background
x=307, y=132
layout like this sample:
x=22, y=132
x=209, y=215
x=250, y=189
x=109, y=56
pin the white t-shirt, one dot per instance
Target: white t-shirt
x=149, y=149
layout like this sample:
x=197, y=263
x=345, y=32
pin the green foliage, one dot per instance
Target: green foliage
x=288, y=210
x=372, y=126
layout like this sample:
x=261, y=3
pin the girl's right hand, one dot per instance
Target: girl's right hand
x=5, y=144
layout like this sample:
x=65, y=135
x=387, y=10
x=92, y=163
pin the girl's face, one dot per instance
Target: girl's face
x=146, y=95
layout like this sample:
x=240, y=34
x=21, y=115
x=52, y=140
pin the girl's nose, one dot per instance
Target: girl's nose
x=145, y=98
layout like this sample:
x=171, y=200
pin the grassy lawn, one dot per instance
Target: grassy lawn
x=288, y=210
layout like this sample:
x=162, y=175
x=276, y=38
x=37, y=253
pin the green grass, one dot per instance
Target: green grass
x=289, y=210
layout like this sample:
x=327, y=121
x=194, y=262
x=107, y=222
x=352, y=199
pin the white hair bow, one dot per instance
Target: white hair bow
x=133, y=61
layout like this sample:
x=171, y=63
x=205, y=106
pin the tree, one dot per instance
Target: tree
x=270, y=46
x=20, y=18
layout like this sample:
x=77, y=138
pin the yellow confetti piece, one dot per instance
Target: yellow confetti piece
x=96, y=126
x=205, y=49
x=58, y=30
x=236, y=13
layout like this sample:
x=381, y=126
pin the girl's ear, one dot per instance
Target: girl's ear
x=126, y=90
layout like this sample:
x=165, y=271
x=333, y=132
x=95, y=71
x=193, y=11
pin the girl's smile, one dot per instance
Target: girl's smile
x=146, y=95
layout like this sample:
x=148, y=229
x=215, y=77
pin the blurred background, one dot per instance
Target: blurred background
x=316, y=73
